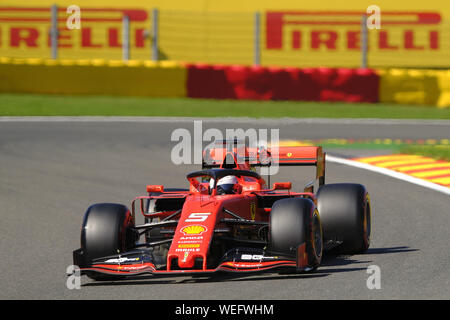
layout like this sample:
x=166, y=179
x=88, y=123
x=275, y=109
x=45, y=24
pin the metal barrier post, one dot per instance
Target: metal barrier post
x=54, y=31
x=257, y=40
x=154, y=34
x=126, y=38
x=364, y=41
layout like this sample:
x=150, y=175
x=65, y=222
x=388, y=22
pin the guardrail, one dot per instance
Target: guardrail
x=98, y=76
x=173, y=79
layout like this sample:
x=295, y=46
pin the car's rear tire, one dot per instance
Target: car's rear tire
x=106, y=231
x=345, y=212
x=294, y=221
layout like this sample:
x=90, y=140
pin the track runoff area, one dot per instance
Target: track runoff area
x=424, y=171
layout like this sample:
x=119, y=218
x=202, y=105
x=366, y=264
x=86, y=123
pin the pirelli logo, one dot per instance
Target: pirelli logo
x=289, y=36
x=340, y=30
x=28, y=27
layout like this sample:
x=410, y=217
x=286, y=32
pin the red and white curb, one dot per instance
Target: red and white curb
x=357, y=163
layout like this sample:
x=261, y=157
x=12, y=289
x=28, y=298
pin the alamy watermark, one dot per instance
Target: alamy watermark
x=374, y=280
x=73, y=277
x=74, y=19
x=373, y=17
x=189, y=147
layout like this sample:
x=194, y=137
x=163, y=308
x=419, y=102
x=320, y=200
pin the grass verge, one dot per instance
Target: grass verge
x=57, y=105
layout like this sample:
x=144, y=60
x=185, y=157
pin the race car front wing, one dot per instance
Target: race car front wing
x=138, y=262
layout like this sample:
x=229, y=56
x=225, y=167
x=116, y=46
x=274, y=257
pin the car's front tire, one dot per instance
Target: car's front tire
x=106, y=231
x=294, y=221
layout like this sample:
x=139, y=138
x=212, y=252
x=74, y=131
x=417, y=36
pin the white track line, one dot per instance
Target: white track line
x=284, y=121
x=391, y=173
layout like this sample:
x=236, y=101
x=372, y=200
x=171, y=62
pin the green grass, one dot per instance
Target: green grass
x=57, y=105
x=440, y=152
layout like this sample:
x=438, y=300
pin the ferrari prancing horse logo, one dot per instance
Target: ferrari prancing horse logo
x=253, y=210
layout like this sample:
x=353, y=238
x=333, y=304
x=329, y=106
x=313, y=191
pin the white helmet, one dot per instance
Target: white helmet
x=226, y=184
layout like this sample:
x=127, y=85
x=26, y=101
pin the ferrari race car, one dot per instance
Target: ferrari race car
x=228, y=220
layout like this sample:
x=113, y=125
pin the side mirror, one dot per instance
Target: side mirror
x=282, y=186
x=155, y=188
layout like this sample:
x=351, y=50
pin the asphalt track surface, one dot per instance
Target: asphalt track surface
x=50, y=172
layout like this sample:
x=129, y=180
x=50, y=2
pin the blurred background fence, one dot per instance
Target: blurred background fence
x=234, y=49
x=270, y=38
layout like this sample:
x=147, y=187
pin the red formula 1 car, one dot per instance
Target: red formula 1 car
x=228, y=220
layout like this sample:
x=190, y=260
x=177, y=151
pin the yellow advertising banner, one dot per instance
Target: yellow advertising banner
x=412, y=33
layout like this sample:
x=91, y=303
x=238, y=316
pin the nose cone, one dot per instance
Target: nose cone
x=187, y=261
x=191, y=242
x=193, y=234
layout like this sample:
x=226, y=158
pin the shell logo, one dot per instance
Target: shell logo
x=289, y=154
x=193, y=230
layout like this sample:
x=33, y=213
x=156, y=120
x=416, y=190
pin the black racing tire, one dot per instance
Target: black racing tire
x=294, y=221
x=345, y=212
x=106, y=231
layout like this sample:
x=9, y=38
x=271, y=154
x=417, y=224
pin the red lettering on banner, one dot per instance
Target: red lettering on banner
x=277, y=21
x=327, y=38
x=274, y=30
x=86, y=39
x=383, y=41
x=296, y=40
x=353, y=40
x=113, y=38
x=140, y=38
x=63, y=34
x=409, y=41
x=434, y=40
x=296, y=30
x=28, y=36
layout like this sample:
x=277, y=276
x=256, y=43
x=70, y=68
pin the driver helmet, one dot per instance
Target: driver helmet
x=226, y=185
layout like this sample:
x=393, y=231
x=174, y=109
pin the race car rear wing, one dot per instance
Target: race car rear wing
x=304, y=156
x=258, y=157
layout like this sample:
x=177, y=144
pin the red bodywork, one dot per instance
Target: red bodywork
x=205, y=214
